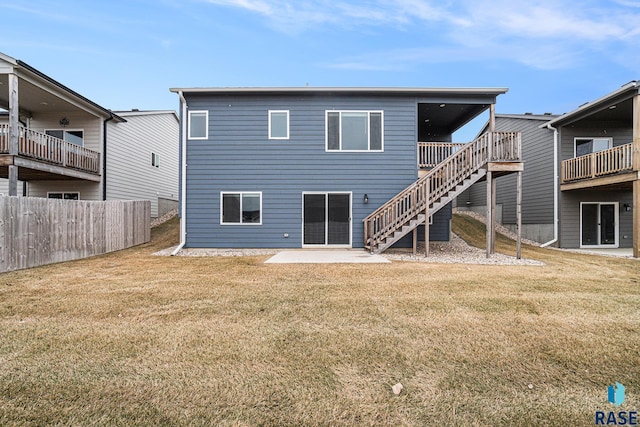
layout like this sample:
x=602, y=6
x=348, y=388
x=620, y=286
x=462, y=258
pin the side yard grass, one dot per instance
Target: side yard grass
x=133, y=339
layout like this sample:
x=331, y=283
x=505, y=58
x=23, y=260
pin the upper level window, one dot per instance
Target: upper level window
x=241, y=208
x=73, y=136
x=198, y=125
x=584, y=146
x=155, y=160
x=354, y=131
x=278, y=124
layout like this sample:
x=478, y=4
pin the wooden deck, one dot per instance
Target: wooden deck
x=37, y=147
x=414, y=205
x=614, y=161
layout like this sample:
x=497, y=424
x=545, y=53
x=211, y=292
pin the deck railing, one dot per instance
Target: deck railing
x=432, y=153
x=43, y=147
x=426, y=191
x=601, y=163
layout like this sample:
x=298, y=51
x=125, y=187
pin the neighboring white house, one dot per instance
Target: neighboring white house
x=56, y=143
x=142, y=159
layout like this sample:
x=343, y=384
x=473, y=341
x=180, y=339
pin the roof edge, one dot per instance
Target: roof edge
x=632, y=86
x=325, y=89
x=42, y=75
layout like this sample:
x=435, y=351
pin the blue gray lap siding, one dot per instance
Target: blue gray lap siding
x=238, y=156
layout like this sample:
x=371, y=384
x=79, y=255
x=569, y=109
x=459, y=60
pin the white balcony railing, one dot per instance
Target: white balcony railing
x=46, y=148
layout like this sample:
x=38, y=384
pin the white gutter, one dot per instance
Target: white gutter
x=183, y=199
x=555, y=186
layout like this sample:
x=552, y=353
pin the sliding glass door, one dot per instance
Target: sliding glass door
x=599, y=225
x=326, y=219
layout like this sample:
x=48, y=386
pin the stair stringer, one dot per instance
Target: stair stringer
x=413, y=223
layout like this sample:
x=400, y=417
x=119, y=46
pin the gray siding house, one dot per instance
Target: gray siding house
x=307, y=167
x=599, y=172
x=56, y=143
x=537, y=180
x=581, y=185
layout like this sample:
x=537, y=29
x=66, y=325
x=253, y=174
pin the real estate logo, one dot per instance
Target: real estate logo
x=616, y=394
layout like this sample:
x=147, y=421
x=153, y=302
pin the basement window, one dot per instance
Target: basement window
x=65, y=196
x=240, y=208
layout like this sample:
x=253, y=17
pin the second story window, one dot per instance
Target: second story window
x=278, y=124
x=73, y=136
x=584, y=146
x=198, y=125
x=354, y=131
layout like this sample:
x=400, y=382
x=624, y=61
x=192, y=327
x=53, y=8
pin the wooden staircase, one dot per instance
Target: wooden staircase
x=422, y=199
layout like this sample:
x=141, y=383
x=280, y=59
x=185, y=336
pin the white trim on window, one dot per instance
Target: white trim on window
x=340, y=144
x=326, y=245
x=206, y=125
x=616, y=219
x=279, y=112
x=239, y=193
x=587, y=138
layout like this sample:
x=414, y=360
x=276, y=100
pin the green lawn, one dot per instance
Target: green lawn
x=133, y=339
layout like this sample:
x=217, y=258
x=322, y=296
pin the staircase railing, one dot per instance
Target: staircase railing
x=438, y=182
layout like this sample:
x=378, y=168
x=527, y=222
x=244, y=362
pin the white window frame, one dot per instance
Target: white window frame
x=288, y=128
x=206, y=127
x=65, y=130
x=616, y=218
x=240, y=193
x=327, y=245
x=63, y=193
x=575, y=143
x=155, y=159
x=340, y=150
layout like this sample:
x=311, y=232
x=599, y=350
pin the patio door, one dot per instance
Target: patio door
x=326, y=219
x=599, y=225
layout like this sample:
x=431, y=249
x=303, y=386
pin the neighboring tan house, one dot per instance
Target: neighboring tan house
x=330, y=167
x=53, y=143
x=537, y=180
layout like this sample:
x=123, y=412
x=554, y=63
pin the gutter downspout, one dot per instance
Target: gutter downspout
x=555, y=187
x=183, y=183
x=104, y=157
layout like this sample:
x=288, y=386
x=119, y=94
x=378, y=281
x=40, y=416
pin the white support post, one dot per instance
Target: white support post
x=519, y=215
x=14, y=133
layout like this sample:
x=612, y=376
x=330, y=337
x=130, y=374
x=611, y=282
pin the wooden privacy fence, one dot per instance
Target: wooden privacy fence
x=38, y=231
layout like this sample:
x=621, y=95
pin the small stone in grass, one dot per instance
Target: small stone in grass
x=530, y=386
x=397, y=389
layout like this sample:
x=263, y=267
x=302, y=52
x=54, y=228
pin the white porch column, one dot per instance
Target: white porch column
x=14, y=135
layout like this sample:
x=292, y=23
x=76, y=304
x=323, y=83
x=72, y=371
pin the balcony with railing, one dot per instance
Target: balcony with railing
x=613, y=162
x=48, y=151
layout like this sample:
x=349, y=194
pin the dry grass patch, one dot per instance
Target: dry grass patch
x=129, y=338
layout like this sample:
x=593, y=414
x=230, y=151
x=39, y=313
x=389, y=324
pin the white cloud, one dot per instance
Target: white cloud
x=538, y=33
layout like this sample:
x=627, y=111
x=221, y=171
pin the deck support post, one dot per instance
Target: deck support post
x=489, y=213
x=14, y=136
x=426, y=225
x=519, y=216
x=636, y=184
x=636, y=218
x=415, y=240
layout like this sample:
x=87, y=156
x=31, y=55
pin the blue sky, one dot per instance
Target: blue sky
x=553, y=55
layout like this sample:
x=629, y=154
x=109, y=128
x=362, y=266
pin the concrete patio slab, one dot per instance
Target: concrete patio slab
x=333, y=256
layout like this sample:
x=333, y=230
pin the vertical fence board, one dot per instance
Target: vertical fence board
x=38, y=231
